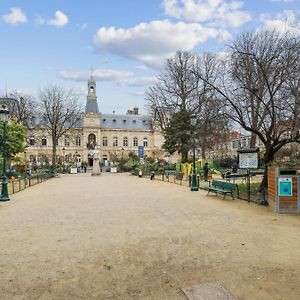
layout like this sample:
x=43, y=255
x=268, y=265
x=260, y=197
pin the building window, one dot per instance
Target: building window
x=125, y=142
x=145, y=142
x=115, y=141
x=31, y=141
x=78, y=141
x=44, y=141
x=104, y=141
x=67, y=141
x=135, y=142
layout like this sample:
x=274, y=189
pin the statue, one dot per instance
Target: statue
x=91, y=145
x=96, y=166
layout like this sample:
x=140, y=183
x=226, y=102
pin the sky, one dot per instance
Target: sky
x=124, y=42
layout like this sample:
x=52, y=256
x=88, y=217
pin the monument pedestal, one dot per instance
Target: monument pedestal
x=96, y=166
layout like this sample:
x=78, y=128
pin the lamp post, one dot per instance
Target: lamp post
x=64, y=164
x=194, y=183
x=4, y=112
x=122, y=157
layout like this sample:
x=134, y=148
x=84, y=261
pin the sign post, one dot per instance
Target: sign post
x=141, y=152
x=248, y=159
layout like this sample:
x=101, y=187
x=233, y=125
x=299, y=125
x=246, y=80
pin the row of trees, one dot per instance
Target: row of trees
x=255, y=86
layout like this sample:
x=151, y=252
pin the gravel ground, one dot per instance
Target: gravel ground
x=122, y=237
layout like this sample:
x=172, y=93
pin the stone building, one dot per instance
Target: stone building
x=114, y=135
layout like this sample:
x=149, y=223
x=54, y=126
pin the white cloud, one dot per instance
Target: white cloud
x=119, y=77
x=285, y=1
x=153, y=42
x=216, y=12
x=16, y=16
x=60, y=19
x=284, y=22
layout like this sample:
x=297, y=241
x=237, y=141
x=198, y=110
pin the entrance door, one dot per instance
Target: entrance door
x=90, y=160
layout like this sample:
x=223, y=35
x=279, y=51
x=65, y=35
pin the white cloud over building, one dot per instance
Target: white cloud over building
x=215, y=12
x=151, y=43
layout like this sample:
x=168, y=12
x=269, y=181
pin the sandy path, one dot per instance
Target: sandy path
x=121, y=237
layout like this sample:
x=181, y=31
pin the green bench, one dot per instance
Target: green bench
x=170, y=172
x=222, y=187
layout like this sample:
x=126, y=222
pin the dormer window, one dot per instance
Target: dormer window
x=104, y=120
x=124, y=121
x=114, y=120
x=134, y=121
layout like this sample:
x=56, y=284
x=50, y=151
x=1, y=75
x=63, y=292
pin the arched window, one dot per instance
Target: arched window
x=104, y=141
x=135, y=142
x=125, y=142
x=145, y=142
x=91, y=141
x=115, y=141
x=78, y=141
x=44, y=141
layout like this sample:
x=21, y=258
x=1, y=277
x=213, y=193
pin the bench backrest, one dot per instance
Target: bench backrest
x=224, y=185
x=168, y=172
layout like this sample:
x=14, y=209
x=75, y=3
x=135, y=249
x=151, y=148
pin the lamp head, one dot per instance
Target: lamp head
x=4, y=113
x=193, y=120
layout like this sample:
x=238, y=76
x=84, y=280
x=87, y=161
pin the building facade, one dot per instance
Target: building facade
x=114, y=135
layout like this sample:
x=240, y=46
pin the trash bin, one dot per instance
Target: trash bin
x=284, y=189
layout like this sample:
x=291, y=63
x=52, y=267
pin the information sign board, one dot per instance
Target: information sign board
x=248, y=158
x=285, y=186
x=141, y=151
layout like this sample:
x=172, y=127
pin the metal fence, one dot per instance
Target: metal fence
x=16, y=185
x=248, y=184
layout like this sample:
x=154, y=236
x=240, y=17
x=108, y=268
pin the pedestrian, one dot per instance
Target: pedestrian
x=205, y=171
x=152, y=175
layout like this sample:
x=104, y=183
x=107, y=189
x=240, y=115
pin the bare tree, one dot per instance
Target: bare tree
x=212, y=123
x=59, y=111
x=173, y=96
x=24, y=108
x=260, y=84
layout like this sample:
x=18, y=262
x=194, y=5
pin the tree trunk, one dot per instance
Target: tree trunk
x=184, y=156
x=268, y=158
x=53, y=155
x=203, y=151
x=253, y=140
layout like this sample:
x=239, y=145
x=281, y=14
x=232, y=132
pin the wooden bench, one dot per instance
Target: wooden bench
x=222, y=187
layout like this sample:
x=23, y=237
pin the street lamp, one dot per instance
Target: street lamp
x=194, y=184
x=4, y=112
x=64, y=164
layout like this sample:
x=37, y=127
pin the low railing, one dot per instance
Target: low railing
x=18, y=184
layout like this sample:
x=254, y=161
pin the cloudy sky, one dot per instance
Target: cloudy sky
x=125, y=41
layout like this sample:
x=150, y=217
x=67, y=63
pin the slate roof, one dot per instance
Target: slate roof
x=126, y=122
x=91, y=106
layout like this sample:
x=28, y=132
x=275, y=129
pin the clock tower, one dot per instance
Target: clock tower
x=91, y=99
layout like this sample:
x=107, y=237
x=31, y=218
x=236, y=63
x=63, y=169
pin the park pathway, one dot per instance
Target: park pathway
x=122, y=237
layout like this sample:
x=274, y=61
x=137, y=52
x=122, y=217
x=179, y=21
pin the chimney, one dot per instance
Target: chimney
x=135, y=110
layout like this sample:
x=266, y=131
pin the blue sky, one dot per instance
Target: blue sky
x=124, y=41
